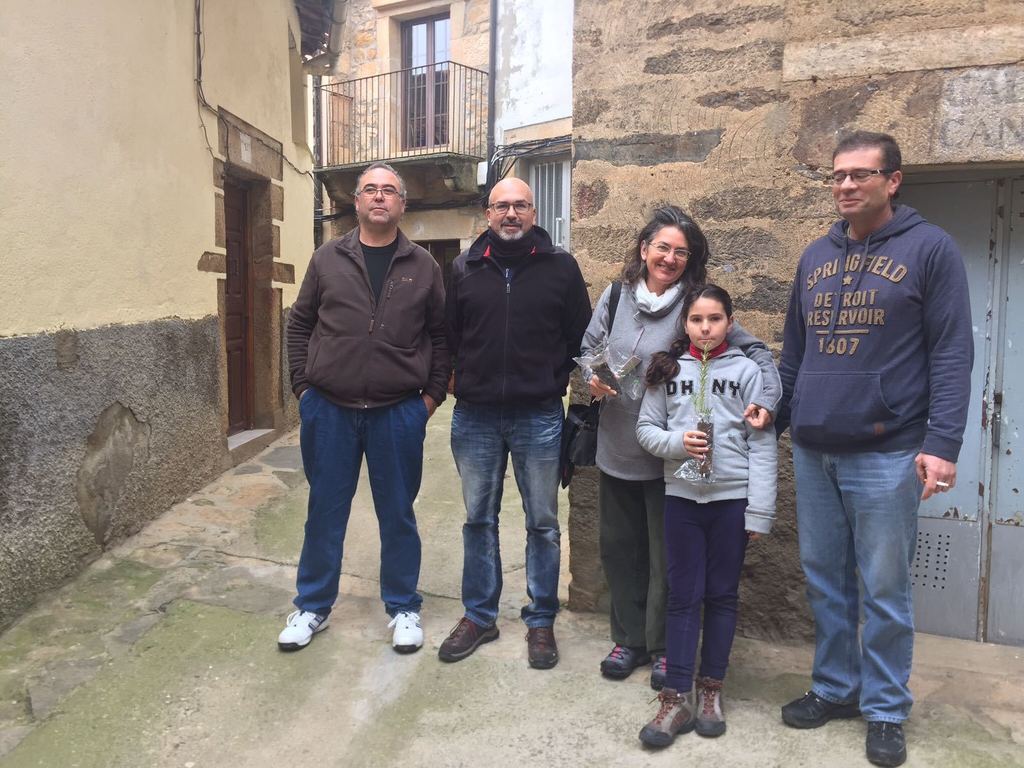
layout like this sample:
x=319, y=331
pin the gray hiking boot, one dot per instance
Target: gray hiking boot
x=675, y=716
x=710, y=720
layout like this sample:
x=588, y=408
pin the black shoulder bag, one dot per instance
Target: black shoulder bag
x=579, y=432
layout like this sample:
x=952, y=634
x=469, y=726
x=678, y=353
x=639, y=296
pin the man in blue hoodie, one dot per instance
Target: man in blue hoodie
x=875, y=367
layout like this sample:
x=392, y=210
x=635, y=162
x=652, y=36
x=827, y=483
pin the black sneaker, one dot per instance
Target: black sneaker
x=886, y=744
x=812, y=711
x=465, y=637
x=622, y=660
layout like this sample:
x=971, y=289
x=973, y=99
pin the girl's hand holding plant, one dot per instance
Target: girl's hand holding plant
x=695, y=443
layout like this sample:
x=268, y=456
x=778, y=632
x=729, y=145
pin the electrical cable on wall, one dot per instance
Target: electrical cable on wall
x=506, y=155
x=202, y=103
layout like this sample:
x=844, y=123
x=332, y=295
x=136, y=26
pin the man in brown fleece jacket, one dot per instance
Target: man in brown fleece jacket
x=369, y=364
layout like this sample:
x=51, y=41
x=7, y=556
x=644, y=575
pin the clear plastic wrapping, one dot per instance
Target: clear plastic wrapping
x=620, y=372
x=701, y=470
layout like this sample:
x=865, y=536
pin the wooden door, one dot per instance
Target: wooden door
x=444, y=253
x=238, y=309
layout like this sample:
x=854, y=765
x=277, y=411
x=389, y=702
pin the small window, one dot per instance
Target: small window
x=550, y=181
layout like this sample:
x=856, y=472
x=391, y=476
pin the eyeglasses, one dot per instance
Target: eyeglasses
x=860, y=176
x=372, y=190
x=520, y=206
x=664, y=249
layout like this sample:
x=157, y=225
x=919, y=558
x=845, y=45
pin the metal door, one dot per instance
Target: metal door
x=969, y=569
x=1005, y=615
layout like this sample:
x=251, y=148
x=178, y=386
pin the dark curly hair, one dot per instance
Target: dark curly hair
x=696, y=270
x=665, y=365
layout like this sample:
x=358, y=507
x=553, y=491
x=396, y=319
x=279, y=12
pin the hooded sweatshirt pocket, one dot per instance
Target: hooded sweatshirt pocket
x=841, y=408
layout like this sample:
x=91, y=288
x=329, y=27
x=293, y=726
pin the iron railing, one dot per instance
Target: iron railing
x=434, y=109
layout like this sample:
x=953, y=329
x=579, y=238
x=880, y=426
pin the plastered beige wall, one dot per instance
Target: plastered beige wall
x=106, y=183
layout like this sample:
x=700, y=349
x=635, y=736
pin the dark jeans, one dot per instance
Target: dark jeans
x=705, y=545
x=632, y=514
x=334, y=440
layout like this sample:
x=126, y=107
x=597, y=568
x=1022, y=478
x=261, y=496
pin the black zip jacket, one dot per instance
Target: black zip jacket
x=513, y=333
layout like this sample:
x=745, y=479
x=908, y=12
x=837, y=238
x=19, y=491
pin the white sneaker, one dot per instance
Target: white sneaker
x=301, y=626
x=408, y=637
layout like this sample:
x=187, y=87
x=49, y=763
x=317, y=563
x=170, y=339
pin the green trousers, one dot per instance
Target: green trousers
x=632, y=516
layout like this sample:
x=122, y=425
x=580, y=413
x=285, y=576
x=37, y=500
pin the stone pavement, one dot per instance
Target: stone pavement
x=163, y=653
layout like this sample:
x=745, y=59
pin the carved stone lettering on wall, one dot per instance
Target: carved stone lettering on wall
x=981, y=116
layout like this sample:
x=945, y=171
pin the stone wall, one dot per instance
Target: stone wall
x=731, y=110
x=100, y=431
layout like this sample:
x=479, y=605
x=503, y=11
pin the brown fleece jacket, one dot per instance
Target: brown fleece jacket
x=360, y=352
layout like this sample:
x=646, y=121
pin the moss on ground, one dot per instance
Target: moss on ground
x=169, y=691
x=71, y=628
x=278, y=526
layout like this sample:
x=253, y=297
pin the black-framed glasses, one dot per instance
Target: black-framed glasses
x=664, y=249
x=372, y=190
x=859, y=175
x=520, y=206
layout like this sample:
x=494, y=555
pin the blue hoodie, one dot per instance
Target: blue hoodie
x=878, y=344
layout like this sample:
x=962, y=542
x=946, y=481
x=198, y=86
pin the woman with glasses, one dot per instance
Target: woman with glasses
x=669, y=260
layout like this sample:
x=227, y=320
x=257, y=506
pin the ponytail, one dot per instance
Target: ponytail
x=665, y=365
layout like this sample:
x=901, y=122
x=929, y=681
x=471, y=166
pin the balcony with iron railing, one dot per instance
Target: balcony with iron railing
x=433, y=116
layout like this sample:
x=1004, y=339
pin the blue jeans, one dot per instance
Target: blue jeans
x=857, y=514
x=334, y=440
x=483, y=436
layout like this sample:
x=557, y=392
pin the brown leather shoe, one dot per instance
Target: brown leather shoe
x=675, y=716
x=541, y=647
x=465, y=637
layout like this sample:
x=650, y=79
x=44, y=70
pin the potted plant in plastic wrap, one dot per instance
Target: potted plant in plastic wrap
x=702, y=470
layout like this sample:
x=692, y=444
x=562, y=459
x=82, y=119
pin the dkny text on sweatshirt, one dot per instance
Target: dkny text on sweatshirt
x=745, y=459
x=642, y=333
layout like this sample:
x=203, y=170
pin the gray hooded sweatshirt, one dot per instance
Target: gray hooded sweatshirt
x=642, y=333
x=744, y=458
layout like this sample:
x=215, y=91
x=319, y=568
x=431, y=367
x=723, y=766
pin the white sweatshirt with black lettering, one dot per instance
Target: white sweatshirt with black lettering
x=744, y=459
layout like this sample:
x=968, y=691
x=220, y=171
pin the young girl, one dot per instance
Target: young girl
x=707, y=524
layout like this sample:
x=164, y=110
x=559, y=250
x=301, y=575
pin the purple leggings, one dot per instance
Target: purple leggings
x=705, y=544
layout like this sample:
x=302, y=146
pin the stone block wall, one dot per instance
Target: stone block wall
x=731, y=110
x=100, y=431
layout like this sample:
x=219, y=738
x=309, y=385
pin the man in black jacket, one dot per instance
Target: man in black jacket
x=369, y=364
x=516, y=311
